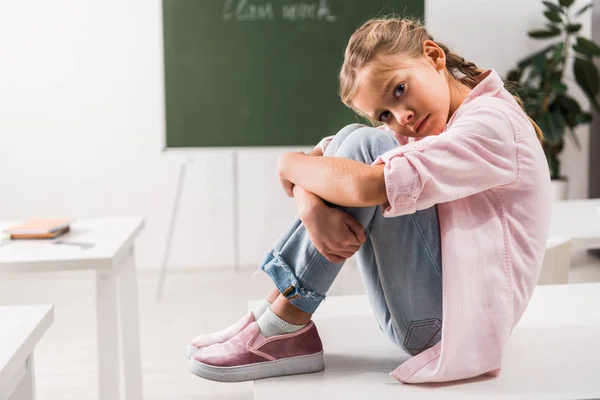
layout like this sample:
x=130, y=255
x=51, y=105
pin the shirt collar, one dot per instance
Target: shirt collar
x=490, y=83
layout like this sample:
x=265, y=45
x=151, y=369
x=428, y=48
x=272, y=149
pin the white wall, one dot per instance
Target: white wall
x=81, y=123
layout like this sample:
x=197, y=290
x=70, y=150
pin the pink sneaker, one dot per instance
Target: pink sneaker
x=209, y=339
x=249, y=355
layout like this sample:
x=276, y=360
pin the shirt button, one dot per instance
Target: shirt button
x=419, y=146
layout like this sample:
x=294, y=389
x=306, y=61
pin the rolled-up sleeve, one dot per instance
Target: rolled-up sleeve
x=476, y=153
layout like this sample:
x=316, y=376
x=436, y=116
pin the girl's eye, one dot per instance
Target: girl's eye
x=399, y=91
x=383, y=116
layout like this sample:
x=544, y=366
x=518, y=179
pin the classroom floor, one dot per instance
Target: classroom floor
x=66, y=356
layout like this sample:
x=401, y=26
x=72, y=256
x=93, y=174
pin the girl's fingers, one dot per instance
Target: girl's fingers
x=344, y=254
x=352, y=249
x=334, y=258
x=356, y=228
x=349, y=248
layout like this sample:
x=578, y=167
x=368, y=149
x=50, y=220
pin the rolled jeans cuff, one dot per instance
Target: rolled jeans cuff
x=288, y=284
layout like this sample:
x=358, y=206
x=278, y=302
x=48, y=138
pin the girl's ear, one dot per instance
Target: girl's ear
x=434, y=54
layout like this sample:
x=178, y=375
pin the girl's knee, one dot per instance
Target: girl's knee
x=422, y=334
x=365, y=144
x=348, y=130
x=340, y=137
x=387, y=326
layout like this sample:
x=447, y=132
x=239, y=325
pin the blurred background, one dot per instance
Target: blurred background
x=83, y=134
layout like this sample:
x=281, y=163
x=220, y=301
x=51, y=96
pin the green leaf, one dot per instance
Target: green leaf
x=552, y=27
x=555, y=77
x=560, y=146
x=543, y=34
x=552, y=150
x=553, y=16
x=532, y=75
x=553, y=165
x=543, y=73
x=587, y=78
x=586, y=75
x=581, y=51
x=572, y=28
x=568, y=114
x=553, y=7
x=553, y=125
x=591, y=47
x=527, y=61
x=583, y=118
x=566, y=3
x=575, y=138
x=570, y=120
x=568, y=104
x=559, y=87
x=558, y=54
x=584, y=9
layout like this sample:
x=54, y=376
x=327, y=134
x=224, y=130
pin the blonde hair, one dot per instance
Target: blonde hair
x=401, y=36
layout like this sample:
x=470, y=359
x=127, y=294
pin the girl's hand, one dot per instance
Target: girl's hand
x=334, y=233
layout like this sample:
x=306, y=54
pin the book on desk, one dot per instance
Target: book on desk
x=39, y=229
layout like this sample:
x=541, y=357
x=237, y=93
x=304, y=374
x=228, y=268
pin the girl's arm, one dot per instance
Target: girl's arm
x=334, y=233
x=305, y=200
x=340, y=181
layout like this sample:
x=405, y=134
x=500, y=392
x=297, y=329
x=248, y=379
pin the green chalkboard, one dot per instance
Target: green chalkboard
x=260, y=73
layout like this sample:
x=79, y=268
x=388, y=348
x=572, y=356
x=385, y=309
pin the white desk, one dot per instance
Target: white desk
x=578, y=220
x=553, y=353
x=112, y=257
x=21, y=328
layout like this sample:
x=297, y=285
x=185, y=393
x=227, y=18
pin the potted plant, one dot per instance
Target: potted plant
x=539, y=79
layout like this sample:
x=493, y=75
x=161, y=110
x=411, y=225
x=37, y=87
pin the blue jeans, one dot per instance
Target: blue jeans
x=400, y=262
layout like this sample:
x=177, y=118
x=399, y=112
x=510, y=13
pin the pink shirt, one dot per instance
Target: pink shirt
x=488, y=175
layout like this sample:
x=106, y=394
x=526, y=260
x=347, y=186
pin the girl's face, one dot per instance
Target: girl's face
x=412, y=96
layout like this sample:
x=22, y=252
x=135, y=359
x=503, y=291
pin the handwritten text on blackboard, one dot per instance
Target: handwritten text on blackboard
x=245, y=10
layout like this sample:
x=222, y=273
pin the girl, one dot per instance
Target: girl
x=450, y=201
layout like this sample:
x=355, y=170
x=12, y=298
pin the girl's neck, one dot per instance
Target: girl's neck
x=458, y=93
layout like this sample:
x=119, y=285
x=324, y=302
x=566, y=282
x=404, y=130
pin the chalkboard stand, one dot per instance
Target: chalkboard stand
x=175, y=214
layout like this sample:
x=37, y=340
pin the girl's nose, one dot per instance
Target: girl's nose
x=405, y=117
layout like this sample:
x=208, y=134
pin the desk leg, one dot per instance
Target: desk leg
x=29, y=379
x=107, y=332
x=25, y=388
x=130, y=337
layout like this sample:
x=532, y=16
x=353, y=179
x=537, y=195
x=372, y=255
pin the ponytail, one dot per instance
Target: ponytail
x=470, y=71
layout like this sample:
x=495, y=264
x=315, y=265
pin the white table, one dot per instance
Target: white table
x=112, y=257
x=578, y=220
x=21, y=328
x=553, y=353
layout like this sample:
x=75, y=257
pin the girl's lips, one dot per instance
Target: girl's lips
x=422, y=124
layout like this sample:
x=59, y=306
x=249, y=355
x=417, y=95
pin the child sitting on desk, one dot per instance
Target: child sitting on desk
x=446, y=206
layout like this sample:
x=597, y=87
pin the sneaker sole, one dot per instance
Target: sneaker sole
x=268, y=369
x=190, y=350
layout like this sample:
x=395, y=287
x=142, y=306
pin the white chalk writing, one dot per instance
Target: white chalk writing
x=245, y=10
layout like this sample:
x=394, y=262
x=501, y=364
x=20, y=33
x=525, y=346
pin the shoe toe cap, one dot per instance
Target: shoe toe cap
x=190, y=350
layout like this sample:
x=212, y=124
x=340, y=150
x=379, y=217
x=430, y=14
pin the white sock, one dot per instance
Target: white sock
x=269, y=324
x=260, y=309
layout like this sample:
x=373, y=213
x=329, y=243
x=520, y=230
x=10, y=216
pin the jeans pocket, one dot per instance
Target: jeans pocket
x=421, y=335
